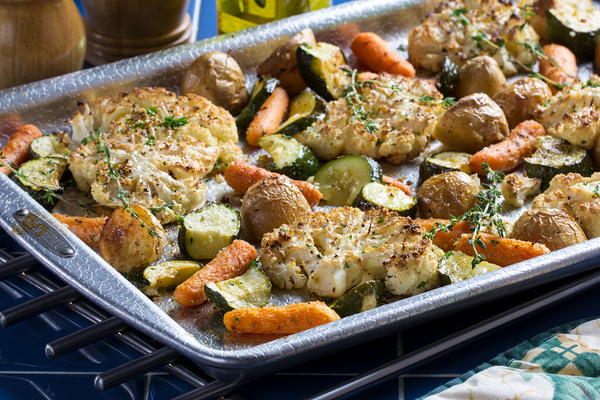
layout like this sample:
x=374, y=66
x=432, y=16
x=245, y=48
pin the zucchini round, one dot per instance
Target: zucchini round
x=376, y=194
x=366, y=296
x=305, y=109
x=446, y=161
x=574, y=28
x=251, y=289
x=48, y=146
x=42, y=173
x=168, y=274
x=261, y=91
x=342, y=179
x=456, y=266
x=290, y=157
x=203, y=233
x=320, y=67
x=555, y=156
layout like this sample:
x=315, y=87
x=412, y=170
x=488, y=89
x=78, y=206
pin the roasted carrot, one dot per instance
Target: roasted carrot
x=269, y=117
x=283, y=320
x=366, y=76
x=509, y=153
x=559, y=65
x=444, y=240
x=501, y=251
x=231, y=261
x=388, y=180
x=240, y=176
x=16, y=150
x=374, y=53
x=86, y=229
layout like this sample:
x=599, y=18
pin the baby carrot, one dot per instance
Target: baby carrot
x=444, y=240
x=231, y=261
x=509, y=153
x=283, y=320
x=388, y=180
x=269, y=116
x=240, y=176
x=86, y=229
x=559, y=65
x=374, y=53
x=501, y=251
x=16, y=150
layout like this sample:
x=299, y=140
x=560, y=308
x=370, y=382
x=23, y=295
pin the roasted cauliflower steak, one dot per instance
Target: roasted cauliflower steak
x=329, y=252
x=150, y=147
x=402, y=110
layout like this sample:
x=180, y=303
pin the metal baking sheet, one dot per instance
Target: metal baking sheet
x=49, y=104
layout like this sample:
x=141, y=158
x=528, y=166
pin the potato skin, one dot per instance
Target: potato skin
x=281, y=64
x=480, y=75
x=448, y=194
x=522, y=99
x=127, y=244
x=473, y=123
x=549, y=226
x=270, y=203
x=219, y=78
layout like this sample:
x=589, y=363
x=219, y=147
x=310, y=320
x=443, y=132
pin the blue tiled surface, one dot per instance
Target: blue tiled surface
x=25, y=373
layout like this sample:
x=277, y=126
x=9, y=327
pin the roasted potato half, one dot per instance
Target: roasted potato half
x=480, y=75
x=552, y=227
x=219, y=78
x=270, y=203
x=132, y=239
x=473, y=123
x=522, y=99
x=281, y=64
x=448, y=194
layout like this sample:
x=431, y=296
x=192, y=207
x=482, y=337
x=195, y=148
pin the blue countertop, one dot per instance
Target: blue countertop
x=25, y=373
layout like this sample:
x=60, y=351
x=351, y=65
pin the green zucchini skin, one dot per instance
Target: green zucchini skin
x=555, y=156
x=301, y=162
x=446, y=161
x=318, y=65
x=581, y=43
x=204, y=244
x=342, y=179
x=456, y=266
x=251, y=289
x=365, y=296
x=312, y=113
x=394, y=199
x=263, y=88
x=448, y=79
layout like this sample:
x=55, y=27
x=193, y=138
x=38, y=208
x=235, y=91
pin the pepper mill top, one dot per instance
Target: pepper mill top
x=118, y=29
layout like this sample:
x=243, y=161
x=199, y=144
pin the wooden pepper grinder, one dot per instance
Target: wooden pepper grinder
x=39, y=39
x=118, y=29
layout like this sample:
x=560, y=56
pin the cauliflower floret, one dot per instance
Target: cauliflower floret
x=404, y=111
x=574, y=114
x=331, y=252
x=150, y=147
x=577, y=196
x=460, y=30
x=516, y=188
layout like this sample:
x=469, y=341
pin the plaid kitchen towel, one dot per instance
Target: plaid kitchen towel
x=554, y=365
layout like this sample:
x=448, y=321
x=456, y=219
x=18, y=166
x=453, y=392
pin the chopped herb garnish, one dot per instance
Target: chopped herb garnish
x=355, y=101
x=422, y=284
x=152, y=110
x=172, y=122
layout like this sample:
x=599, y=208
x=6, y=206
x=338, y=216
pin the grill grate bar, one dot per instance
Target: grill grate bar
x=17, y=265
x=85, y=336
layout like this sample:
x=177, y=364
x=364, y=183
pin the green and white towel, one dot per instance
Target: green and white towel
x=554, y=365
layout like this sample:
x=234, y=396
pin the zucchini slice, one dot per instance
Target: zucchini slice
x=342, y=179
x=305, y=109
x=320, y=67
x=290, y=157
x=49, y=146
x=251, y=289
x=574, y=27
x=376, y=194
x=448, y=78
x=555, y=156
x=446, y=161
x=261, y=91
x=203, y=233
x=363, y=297
x=169, y=273
x=42, y=173
x=456, y=266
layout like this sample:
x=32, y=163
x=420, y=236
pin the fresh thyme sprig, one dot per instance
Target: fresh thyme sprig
x=47, y=196
x=486, y=212
x=355, y=100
